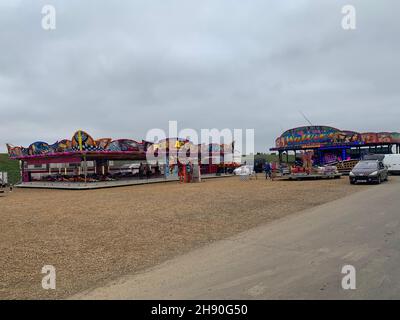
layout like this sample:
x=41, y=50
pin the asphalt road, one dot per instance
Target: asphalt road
x=298, y=257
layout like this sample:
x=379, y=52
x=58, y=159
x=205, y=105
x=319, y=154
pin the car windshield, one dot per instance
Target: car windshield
x=366, y=165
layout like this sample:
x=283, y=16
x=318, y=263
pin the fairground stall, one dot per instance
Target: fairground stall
x=81, y=159
x=211, y=158
x=166, y=153
x=218, y=158
x=326, y=145
x=84, y=162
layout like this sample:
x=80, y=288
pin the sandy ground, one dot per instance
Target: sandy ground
x=95, y=236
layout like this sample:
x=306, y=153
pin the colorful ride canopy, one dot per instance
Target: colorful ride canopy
x=319, y=136
x=123, y=145
x=39, y=148
x=81, y=141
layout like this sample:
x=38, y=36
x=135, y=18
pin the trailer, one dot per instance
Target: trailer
x=313, y=173
x=315, y=176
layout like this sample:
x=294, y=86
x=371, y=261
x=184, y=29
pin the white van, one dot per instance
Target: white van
x=392, y=161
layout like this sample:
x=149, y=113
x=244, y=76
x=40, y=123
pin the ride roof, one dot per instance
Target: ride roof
x=310, y=137
x=80, y=143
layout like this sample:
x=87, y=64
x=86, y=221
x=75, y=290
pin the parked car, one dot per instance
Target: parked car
x=369, y=171
x=392, y=161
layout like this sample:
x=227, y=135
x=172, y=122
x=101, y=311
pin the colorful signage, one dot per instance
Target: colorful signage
x=319, y=136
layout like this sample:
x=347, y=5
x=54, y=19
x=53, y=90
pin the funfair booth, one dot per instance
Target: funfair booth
x=212, y=158
x=218, y=158
x=81, y=159
x=331, y=146
x=84, y=162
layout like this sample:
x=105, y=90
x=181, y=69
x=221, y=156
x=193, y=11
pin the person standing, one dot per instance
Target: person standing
x=157, y=170
x=189, y=171
x=141, y=169
x=181, y=173
x=281, y=169
x=148, y=171
x=273, y=170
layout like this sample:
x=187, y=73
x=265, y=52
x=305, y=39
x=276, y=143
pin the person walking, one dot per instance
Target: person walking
x=267, y=169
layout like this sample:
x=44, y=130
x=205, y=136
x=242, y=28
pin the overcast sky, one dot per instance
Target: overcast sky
x=120, y=68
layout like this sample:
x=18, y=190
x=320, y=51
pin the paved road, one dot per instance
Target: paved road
x=298, y=257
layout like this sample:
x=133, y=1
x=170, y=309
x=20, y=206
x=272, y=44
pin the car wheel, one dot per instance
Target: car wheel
x=379, y=180
x=352, y=182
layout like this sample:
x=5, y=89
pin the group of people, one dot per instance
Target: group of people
x=185, y=172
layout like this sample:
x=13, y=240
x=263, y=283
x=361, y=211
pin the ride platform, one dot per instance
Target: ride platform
x=105, y=184
x=314, y=176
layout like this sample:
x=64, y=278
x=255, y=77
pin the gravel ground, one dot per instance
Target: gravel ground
x=95, y=236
